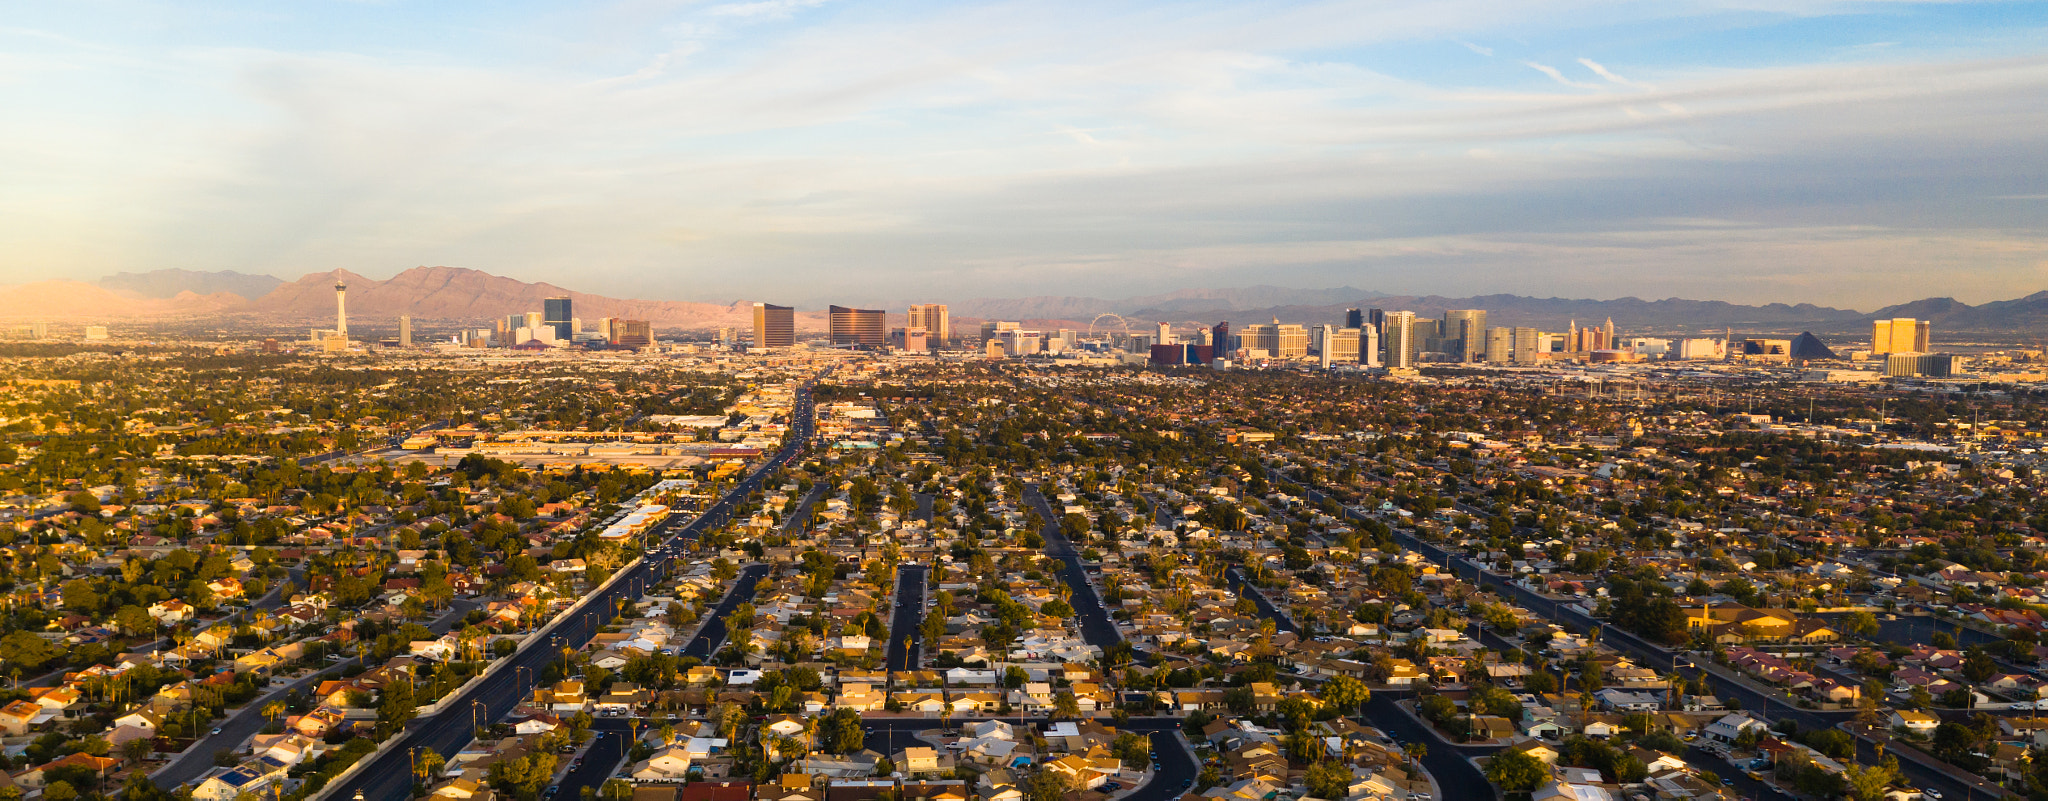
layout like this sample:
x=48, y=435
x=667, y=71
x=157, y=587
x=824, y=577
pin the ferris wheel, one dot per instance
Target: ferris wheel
x=1096, y=330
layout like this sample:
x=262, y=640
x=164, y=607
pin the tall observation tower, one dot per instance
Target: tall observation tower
x=341, y=309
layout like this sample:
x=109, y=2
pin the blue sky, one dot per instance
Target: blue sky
x=1847, y=154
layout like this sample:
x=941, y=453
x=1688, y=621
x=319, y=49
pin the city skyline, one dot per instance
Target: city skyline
x=1834, y=153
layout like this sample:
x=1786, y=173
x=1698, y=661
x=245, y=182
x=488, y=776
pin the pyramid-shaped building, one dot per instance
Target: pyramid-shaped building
x=1808, y=347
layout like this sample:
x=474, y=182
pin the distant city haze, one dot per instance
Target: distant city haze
x=1845, y=155
x=450, y=294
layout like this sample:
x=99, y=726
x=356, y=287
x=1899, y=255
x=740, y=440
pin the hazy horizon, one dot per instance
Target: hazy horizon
x=1845, y=154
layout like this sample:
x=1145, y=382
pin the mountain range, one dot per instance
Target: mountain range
x=170, y=283
x=461, y=295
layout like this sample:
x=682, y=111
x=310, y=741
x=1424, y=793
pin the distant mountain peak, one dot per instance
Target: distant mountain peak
x=169, y=283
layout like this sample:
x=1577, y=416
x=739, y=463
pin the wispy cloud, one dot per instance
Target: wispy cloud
x=1484, y=51
x=766, y=9
x=1609, y=74
x=1557, y=76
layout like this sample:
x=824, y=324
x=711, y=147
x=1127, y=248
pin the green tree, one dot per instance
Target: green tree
x=1048, y=785
x=1516, y=771
x=1328, y=779
x=1344, y=693
x=1868, y=783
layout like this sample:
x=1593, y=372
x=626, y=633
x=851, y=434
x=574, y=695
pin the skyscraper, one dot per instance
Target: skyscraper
x=1340, y=345
x=1262, y=339
x=631, y=333
x=404, y=331
x=1369, y=347
x=1165, y=334
x=864, y=327
x=556, y=314
x=1354, y=318
x=933, y=319
x=1899, y=335
x=1401, y=344
x=1467, y=327
x=1500, y=345
x=1528, y=342
x=1219, y=337
x=1293, y=340
x=774, y=326
x=341, y=310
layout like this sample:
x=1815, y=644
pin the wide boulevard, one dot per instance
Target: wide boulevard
x=389, y=776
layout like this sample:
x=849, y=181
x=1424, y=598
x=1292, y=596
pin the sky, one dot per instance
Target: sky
x=1849, y=154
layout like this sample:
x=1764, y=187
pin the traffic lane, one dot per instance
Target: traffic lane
x=1266, y=608
x=448, y=732
x=597, y=764
x=1914, y=630
x=903, y=625
x=237, y=728
x=388, y=776
x=1455, y=777
x=1704, y=760
x=796, y=522
x=887, y=741
x=1919, y=774
x=712, y=635
x=1175, y=770
x=1096, y=627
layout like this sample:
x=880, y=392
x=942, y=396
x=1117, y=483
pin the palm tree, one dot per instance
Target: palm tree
x=1415, y=751
x=272, y=710
x=426, y=764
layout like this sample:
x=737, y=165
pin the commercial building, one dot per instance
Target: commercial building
x=631, y=333
x=1177, y=354
x=864, y=327
x=1702, y=349
x=404, y=331
x=1354, y=318
x=1339, y=345
x=1529, y=345
x=557, y=317
x=1589, y=339
x=1900, y=335
x=774, y=326
x=1277, y=340
x=1019, y=342
x=1464, y=334
x=1647, y=347
x=1400, y=336
x=1919, y=365
x=1500, y=345
x=931, y=317
x=990, y=329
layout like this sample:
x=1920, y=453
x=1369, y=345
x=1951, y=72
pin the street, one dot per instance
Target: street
x=388, y=777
